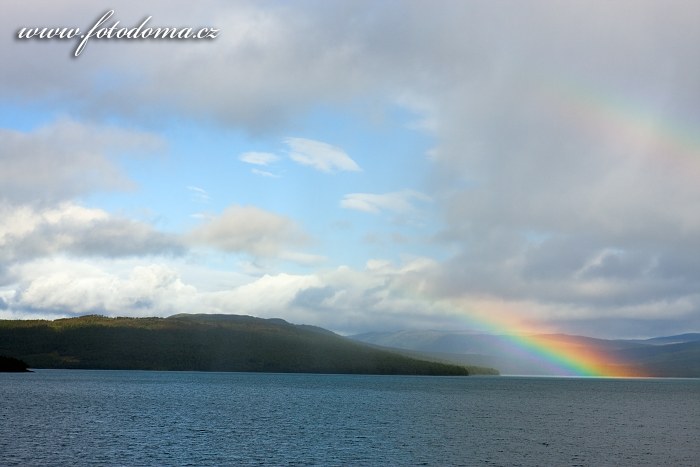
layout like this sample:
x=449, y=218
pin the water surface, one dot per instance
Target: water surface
x=62, y=417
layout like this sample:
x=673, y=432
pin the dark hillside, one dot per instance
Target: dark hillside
x=200, y=342
x=676, y=360
x=12, y=365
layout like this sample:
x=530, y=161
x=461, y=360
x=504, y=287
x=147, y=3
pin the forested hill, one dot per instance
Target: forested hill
x=200, y=342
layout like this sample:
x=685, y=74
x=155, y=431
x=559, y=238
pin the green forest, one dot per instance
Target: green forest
x=203, y=343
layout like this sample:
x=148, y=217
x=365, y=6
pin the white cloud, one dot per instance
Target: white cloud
x=321, y=156
x=71, y=287
x=264, y=173
x=258, y=158
x=267, y=296
x=384, y=295
x=342, y=299
x=399, y=202
x=199, y=194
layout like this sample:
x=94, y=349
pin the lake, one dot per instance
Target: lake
x=64, y=417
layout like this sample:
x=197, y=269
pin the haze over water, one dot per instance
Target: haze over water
x=64, y=417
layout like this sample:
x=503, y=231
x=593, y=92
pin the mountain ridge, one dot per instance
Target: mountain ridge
x=201, y=342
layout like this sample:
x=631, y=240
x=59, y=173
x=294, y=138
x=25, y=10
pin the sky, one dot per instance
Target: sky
x=357, y=165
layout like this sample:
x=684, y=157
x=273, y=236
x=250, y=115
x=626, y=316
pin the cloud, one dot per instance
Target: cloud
x=66, y=158
x=261, y=71
x=563, y=168
x=398, y=202
x=321, y=156
x=264, y=173
x=266, y=296
x=273, y=62
x=258, y=158
x=559, y=171
x=343, y=299
x=383, y=295
x=199, y=194
x=27, y=232
x=251, y=230
x=70, y=287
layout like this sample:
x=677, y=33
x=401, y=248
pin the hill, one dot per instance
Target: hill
x=12, y=365
x=675, y=359
x=203, y=343
x=669, y=356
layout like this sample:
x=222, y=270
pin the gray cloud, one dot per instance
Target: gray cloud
x=313, y=297
x=559, y=167
x=269, y=63
x=27, y=233
x=274, y=59
x=125, y=237
x=65, y=159
x=247, y=229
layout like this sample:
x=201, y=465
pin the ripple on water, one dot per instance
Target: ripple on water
x=62, y=417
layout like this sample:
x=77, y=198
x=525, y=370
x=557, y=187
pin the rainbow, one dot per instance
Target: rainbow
x=565, y=356
x=560, y=354
x=637, y=130
x=632, y=131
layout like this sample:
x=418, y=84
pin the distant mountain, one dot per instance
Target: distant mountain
x=676, y=356
x=679, y=339
x=201, y=342
x=676, y=359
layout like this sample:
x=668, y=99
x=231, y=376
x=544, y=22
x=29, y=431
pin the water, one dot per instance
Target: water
x=65, y=417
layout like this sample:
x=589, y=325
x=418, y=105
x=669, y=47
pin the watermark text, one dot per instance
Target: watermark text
x=103, y=29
